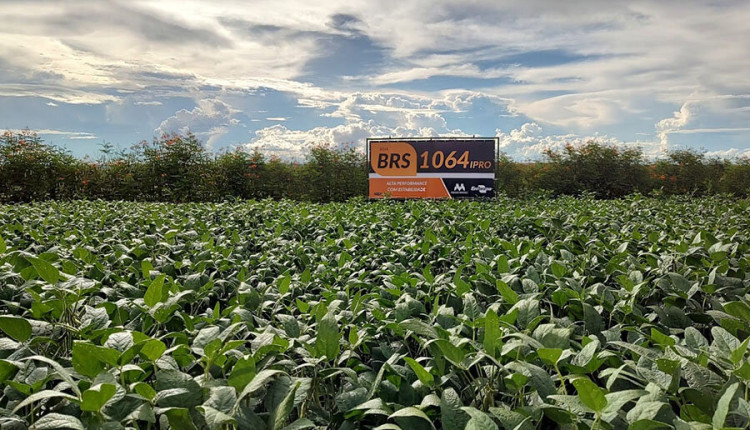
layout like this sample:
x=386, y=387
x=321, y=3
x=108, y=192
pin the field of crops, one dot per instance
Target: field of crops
x=515, y=314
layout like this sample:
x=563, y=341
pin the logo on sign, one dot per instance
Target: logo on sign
x=459, y=187
x=481, y=189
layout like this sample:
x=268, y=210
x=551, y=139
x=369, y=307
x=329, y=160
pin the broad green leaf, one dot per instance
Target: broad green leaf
x=3, y=247
x=45, y=270
x=616, y=400
x=424, y=376
x=410, y=412
x=7, y=370
x=590, y=394
x=645, y=410
x=154, y=292
x=722, y=407
x=54, y=421
x=453, y=353
x=661, y=338
x=42, y=395
x=284, y=284
x=558, y=269
x=153, y=349
x=328, y=335
x=479, y=420
x=242, y=373
x=258, y=381
x=96, y=397
x=508, y=294
x=179, y=418
x=64, y=374
x=549, y=355
x=451, y=415
x=215, y=419
x=280, y=415
x=15, y=327
x=738, y=309
x=300, y=424
x=492, y=333
x=419, y=327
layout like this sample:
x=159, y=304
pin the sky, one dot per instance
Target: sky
x=279, y=76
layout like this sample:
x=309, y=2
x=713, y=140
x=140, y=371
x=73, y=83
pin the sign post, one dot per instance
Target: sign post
x=432, y=168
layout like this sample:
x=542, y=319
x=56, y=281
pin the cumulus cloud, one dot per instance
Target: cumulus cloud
x=573, y=67
x=529, y=142
x=671, y=125
x=210, y=120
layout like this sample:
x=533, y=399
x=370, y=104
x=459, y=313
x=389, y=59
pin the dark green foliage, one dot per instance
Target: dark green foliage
x=533, y=313
x=176, y=168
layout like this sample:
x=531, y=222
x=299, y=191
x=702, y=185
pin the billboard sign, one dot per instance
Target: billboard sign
x=432, y=168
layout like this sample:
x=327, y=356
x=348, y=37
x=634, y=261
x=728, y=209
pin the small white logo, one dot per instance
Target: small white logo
x=482, y=189
x=459, y=187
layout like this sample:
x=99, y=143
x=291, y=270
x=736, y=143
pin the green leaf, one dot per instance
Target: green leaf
x=616, y=400
x=661, y=338
x=46, y=394
x=3, y=248
x=215, y=419
x=284, y=284
x=451, y=415
x=258, y=382
x=279, y=415
x=242, y=373
x=479, y=420
x=645, y=410
x=508, y=294
x=424, y=376
x=174, y=379
x=590, y=394
x=410, y=412
x=153, y=349
x=179, y=418
x=549, y=355
x=327, y=341
x=722, y=407
x=558, y=270
x=420, y=327
x=45, y=270
x=146, y=269
x=54, y=421
x=739, y=310
x=492, y=333
x=453, y=353
x=64, y=374
x=7, y=370
x=15, y=327
x=96, y=397
x=300, y=424
x=154, y=292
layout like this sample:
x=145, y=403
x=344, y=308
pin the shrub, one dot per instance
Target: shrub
x=736, y=178
x=238, y=174
x=31, y=170
x=683, y=171
x=334, y=174
x=509, y=176
x=606, y=171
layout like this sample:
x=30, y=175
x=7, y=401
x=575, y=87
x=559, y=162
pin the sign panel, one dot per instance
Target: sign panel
x=434, y=168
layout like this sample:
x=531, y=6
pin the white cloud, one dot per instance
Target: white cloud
x=210, y=120
x=75, y=135
x=529, y=142
x=671, y=125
